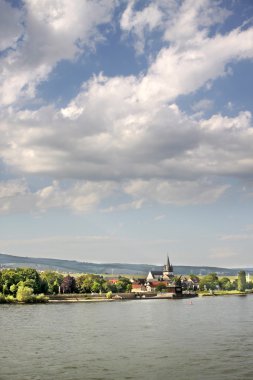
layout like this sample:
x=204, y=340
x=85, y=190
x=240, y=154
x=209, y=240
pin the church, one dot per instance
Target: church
x=165, y=278
x=165, y=275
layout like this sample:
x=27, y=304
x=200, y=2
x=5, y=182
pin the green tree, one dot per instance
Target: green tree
x=209, y=282
x=225, y=283
x=87, y=283
x=96, y=287
x=24, y=294
x=13, y=289
x=51, y=281
x=29, y=276
x=122, y=283
x=241, y=285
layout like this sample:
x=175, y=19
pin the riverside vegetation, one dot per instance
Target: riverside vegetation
x=26, y=285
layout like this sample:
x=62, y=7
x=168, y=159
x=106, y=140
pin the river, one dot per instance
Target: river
x=210, y=338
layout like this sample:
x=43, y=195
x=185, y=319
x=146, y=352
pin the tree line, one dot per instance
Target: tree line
x=212, y=282
x=28, y=285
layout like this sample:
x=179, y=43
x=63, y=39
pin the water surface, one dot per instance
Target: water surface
x=209, y=339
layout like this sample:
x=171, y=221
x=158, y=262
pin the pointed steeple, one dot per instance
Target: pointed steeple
x=168, y=268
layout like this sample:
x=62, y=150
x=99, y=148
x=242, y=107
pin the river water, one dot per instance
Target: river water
x=210, y=338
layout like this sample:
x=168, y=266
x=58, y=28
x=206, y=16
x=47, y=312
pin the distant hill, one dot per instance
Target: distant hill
x=71, y=266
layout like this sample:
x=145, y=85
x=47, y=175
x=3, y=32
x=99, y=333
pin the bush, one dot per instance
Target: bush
x=41, y=298
x=25, y=294
x=2, y=298
x=10, y=299
x=109, y=295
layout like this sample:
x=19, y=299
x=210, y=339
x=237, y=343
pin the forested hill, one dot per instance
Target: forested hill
x=9, y=261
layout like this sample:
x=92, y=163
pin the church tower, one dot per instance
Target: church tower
x=168, y=269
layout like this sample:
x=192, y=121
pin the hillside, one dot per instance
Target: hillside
x=72, y=266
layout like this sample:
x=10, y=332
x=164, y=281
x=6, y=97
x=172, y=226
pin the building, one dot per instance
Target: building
x=165, y=278
x=165, y=275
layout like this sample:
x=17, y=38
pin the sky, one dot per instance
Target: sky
x=126, y=130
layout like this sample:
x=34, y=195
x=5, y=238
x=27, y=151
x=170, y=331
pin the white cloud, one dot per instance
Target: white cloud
x=189, y=24
x=124, y=133
x=55, y=30
x=179, y=72
x=175, y=192
x=12, y=188
x=139, y=23
x=80, y=197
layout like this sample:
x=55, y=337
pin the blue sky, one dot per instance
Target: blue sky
x=126, y=130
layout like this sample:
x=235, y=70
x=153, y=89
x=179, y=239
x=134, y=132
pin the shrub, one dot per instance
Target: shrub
x=10, y=299
x=2, y=298
x=41, y=298
x=24, y=294
x=109, y=295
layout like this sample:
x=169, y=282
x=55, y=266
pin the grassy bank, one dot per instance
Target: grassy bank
x=220, y=293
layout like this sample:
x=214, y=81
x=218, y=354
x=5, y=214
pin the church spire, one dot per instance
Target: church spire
x=168, y=268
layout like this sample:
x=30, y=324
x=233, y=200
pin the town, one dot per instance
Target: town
x=29, y=285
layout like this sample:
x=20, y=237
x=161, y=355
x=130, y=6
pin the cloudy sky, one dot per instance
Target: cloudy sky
x=126, y=130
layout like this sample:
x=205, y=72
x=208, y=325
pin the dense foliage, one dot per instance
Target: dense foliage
x=242, y=281
x=27, y=285
x=212, y=282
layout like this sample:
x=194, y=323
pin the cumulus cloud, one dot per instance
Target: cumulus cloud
x=124, y=134
x=54, y=31
x=80, y=197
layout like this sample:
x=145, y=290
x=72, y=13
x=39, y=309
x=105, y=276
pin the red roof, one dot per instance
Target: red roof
x=156, y=283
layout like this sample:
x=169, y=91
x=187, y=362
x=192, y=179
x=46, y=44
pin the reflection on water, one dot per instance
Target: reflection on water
x=146, y=339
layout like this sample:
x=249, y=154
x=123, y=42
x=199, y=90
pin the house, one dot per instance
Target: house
x=155, y=275
x=136, y=288
x=151, y=286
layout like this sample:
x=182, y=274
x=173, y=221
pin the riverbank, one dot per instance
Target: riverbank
x=223, y=293
x=60, y=298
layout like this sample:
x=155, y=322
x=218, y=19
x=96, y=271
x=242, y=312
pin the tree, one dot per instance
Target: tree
x=241, y=285
x=210, y=281
x=87, y=283
x=96, y=287
x=225, y=283
x=24, y=294
x=68, y=284
x=51, y=281
x=13, y=289
x=122, y=284
x=29, y=276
